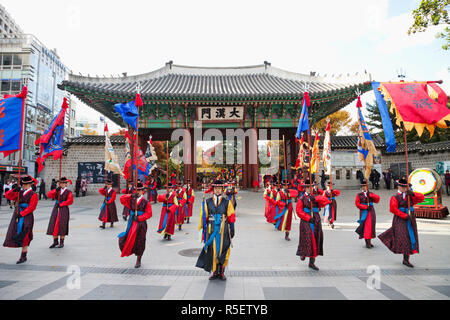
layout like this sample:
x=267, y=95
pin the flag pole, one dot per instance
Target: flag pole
x=136, y=145
x=20, y=151
x=406, y=161
x=167, y=184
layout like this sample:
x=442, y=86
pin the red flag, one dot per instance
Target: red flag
x=106, y=127
x=418, y=105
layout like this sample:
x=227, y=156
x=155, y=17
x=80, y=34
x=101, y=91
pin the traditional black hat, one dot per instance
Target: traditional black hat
x=65, y=180
x=188, y=180
x=180, y=184
x=307, y=183
x=27, y=180
x=218, y=183
x=169, y=185
x=108, y=181
x=364, y=182
x=402, y=182
x=140, y=186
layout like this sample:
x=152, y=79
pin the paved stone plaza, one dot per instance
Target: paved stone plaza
x=262, y=264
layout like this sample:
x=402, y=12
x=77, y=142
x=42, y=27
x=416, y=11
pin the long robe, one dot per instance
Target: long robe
x=271, y=204
x=283, y=216
x=311, y=237
x=180, y=214
x=402, y=237
x=190, y=201
x=167, y=219
x=330, y=211
x=108, y=211
x=367, y=217
x=152, y=191
x=133, y=240
x=126, y=211
x=20, y=233
x=58, y=224
x=220, y=220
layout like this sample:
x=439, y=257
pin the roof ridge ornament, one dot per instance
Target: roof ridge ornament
x=138, y=87
x=358, y=92
x=305, y=86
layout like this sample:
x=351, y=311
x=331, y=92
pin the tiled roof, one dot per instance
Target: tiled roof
x=252, y=81
x=417, y=146
x=349, y=142
x=96, y=140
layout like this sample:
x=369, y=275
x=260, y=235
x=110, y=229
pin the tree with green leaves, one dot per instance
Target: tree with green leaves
x=432, y=12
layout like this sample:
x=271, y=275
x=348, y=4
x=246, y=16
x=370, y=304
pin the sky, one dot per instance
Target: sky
x=110, y=37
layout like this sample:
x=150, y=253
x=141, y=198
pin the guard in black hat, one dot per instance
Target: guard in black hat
x=170, y=206
x=231, y=192
x=402, y=237
x=20, y=230
x=128, y=190
x=367, y=218
x=59, y=219
x=108, y=211
x=190, y=199
x=133, y=240
x=180, y=214
x=283, y=219
x=220, y=219
x=311, y=234
x=152, y=189
x=330, y=211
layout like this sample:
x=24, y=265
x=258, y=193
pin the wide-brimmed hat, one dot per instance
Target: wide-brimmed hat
x=140, y=186
x=402, y=182
x=218, y=183
x=65, y=180
x=169, y=185
x=364, y=182
x=308, y=183
x=108, y=181
x=27, y=180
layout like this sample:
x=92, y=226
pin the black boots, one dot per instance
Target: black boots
x=219, y=273
x=61, y=243
x=55, y=243
x=368, y=244
x=138, y=262
x=179, y=227
x=112, y=224
x=406, y=261
x=286, y=237
x=124, y=218
x=187, y=220
x=23, y=258
x=102, y=226
x=167, y=236
x=312, y=265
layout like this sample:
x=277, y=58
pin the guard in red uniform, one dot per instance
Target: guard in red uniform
x=283, y=216
x=271, y=205
x=128, y=190
x=20, y=230
x=367, y=218
x=152, y=190
x=330, y=211
x=167, y=219
x=311, y=234
x=108, y=211
x=190, y=199
x=59, y=219
x=132, y=241
x=180, y=214
x=402, y=237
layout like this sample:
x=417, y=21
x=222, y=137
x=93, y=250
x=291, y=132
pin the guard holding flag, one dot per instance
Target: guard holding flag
x=182, y=205
x=59, y=219
x=330, y=211
x=367, y=219
x=133, y=240
x=283, y=216
x=219, y=224
x=311, y=234
x=402, y=237
x=20, y=230
x=128, y=190
x=108, y=211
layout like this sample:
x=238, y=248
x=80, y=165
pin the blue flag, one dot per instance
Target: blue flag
x=129, y=113
x=385, y=119
x=11, y=114
x=52, y=140
x=303, y=124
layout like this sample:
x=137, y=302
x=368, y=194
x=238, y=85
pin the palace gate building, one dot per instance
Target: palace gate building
x=251, y=97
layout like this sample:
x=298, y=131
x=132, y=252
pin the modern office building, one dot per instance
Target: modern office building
x=8, y=27
x=24, y=60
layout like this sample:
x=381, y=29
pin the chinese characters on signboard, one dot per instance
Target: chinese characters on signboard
x=220, y=113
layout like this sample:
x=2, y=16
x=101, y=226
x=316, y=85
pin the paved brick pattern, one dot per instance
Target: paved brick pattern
x=262, y=264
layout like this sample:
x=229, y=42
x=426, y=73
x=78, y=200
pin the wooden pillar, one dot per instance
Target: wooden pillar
x=245, y=166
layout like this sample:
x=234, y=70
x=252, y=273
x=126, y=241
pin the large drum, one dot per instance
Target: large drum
x=425, y=181
x=429, y=183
